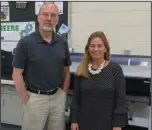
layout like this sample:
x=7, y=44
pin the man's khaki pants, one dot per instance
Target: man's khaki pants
x=45, y=111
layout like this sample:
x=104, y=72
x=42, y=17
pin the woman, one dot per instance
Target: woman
x=99, y=99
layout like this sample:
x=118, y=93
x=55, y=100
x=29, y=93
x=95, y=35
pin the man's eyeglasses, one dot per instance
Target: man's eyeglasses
x=52, y=15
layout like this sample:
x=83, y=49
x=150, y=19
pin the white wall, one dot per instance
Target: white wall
x=126, y=24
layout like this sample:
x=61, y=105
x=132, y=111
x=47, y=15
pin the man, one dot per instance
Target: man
x=40, y=67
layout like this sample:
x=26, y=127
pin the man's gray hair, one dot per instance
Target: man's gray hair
x=45, y=4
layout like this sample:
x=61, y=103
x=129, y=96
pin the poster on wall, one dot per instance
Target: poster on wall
x=4, y=4
x=39, y=4
x=5, y=11
x=63, y=30
x=21, y=5
x=12, y=32
x=60, y=6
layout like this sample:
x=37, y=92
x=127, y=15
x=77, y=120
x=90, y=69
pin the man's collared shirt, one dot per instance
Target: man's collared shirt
x=43, y=62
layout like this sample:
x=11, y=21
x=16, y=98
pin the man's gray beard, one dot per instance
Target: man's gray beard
x=47, y=29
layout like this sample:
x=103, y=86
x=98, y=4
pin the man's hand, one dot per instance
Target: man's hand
x=116, y=128
x=25, y=100
x=74, y=126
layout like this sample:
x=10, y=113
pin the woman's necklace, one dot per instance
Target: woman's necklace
x=94, y=72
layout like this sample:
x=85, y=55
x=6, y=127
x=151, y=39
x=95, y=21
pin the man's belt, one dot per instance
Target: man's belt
x=50, y=92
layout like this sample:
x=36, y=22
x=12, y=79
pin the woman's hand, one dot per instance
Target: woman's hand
x=74, y=126
x=116, y=128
